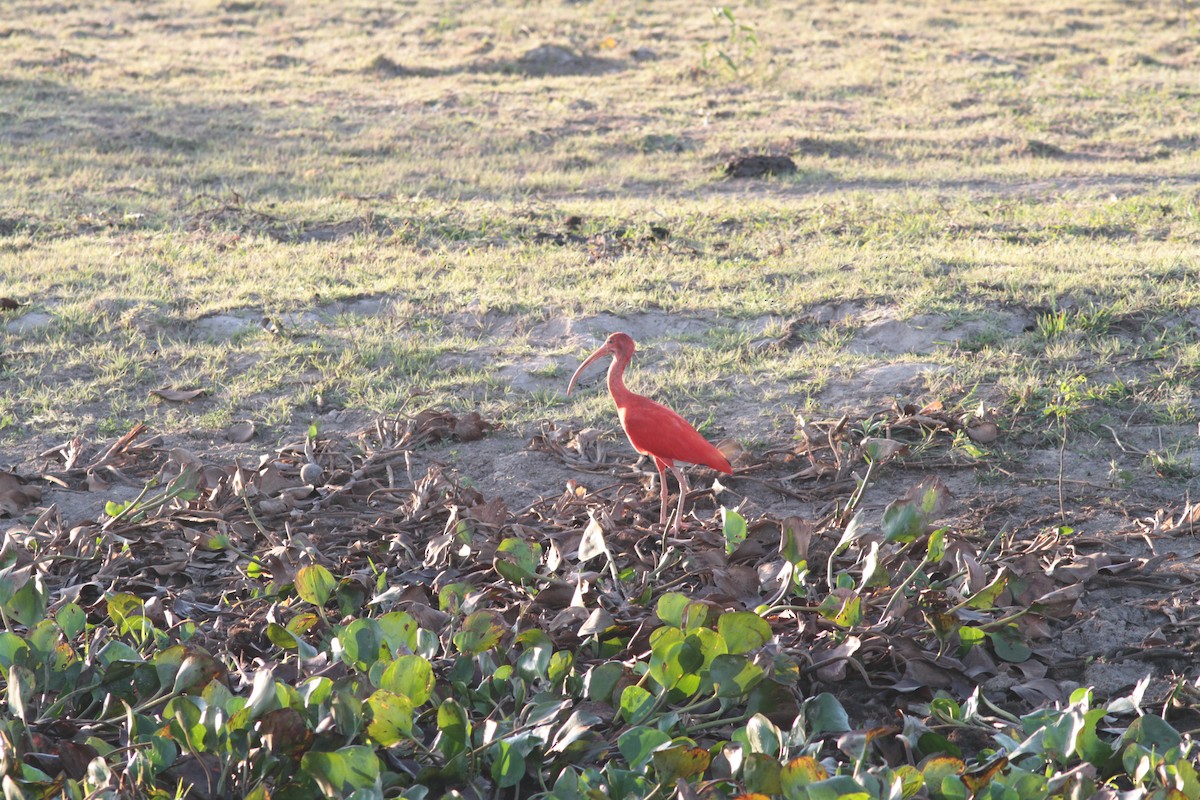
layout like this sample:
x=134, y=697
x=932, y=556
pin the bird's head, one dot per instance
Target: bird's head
x=617, y=345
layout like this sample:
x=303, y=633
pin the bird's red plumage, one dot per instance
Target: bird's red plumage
x=655, y=430
x=652, y=428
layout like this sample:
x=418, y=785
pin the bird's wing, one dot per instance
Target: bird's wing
x=656, y=430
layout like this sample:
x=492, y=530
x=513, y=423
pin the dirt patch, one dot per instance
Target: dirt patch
x=881, y=384
x=222, y=327
x=29, y=321
x=556, y=59
x=882, y=332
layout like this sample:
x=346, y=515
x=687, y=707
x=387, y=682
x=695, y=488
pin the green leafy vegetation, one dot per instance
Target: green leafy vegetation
x=332, y=672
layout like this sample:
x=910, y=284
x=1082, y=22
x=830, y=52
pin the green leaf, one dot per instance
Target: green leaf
x=28, y=605
x=841, y=787
x=985, y=598
x=931, y=743
x=21, y=684
x=743, y=631
x=409, y=676
x=794, y=537
x=824, y=714
x=733, y=525
x=509, y=767
x=574, y=729
x=761, y=774
x=284, y=638
x=601, y=680
x=186, y=722
x=302, y=623
x=902, y=521
x=798, y=773
x=13, y=650
x=936, y=547
x=638, y=744
x=453, y=722
x=71, y=619
x=480, y=631
x=763, y=735
x=843, y=607
x=1153, y=733
x=391, y=718
x=517, y=560
x=342, y=771
x=1008, y=645
x=315, y=584
x=361, y=641
x=452, y=595
x=533, y=663
x=971, y=637
x=688, y=656
x=264, y=694
x=400, y=631
x=680, y=763
x=734, y=675
x=560, y=666
x=1090, y=746
x=670, y=608
x=854, y=530
x=636, y=703
x=911, y=780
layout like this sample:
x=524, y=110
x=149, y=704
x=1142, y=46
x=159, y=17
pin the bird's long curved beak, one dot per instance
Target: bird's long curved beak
x=603, y=350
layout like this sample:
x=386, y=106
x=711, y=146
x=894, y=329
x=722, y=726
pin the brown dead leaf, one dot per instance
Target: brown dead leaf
x=1060, y=602
x=75, y=758
x=285, y=732
x=731, y=449
x=737, y=581
x=599, y=621
x=271, y=482
x=555, y=596
x=471, y=427
x=178, y=395
x=984, y=432
x=201, y=774
x=10, y=482
x=834, y=662
x=1040, y=692
x=15, y=497
x=240, y=432
x=882, y=450
x=568, y=618
x=492, y=513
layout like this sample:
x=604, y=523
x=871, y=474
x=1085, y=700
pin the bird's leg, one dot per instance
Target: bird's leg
x=683, y=493
x=662, y=490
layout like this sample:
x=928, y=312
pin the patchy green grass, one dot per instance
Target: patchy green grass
x=279, y=162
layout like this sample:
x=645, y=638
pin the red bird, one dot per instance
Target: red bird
x=653, y=429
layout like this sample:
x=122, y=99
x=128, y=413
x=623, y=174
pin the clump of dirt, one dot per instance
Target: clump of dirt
x=557, y=59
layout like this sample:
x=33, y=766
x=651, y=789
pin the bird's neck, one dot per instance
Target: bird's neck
x=616, y=381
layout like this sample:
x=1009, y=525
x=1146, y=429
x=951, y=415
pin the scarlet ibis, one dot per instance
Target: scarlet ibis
x=653, y=429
